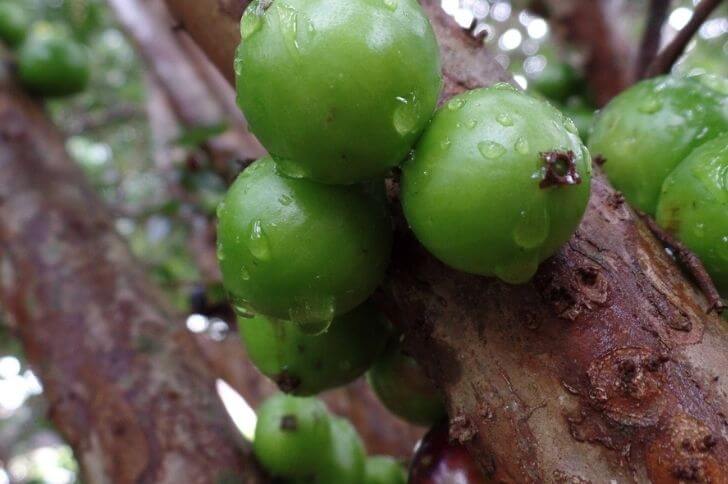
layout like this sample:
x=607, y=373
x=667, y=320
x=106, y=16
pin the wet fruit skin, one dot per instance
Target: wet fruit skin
x=402, y=386
x=292, y=435
x=305, y=364
x=471, y=192
x=14, y=23
x=439, y=461
x=381, y=469
x=694, y=206
x=341, y=87
x=298, y=250
x=648, y=129
x=51, y=64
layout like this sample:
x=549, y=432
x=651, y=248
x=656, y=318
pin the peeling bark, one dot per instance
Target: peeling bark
x=604, y=367
x=126, y=385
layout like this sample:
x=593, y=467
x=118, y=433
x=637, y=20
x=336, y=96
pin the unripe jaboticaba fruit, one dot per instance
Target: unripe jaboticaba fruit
x=292, y=436
x=305, y=364
x=344, y=463
x=14, y=23
x=644, y=132
x=52, y=64
x=337, y=90
x=694, y=206
x=380, y=469
x=498, y=182
x=403, y=387
x=298, y=250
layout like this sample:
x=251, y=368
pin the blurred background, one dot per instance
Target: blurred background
x=164, y=172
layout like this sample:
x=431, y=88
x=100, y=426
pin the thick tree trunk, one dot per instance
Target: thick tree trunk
x=126, y=385
x=604, y=368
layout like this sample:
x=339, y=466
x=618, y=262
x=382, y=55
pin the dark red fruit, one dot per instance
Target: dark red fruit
x=439, y=461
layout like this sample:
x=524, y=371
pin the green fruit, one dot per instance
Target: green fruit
x=14, y=23
x=339, y=90
x=557, y=81
x=644, y=132
x=384, y=470
x=694, y=206
x=293, y=435
x=299, y=250
x=404, y=388
x=472, y=192
x=51, y=64
x=345, y=462
x=304, y=364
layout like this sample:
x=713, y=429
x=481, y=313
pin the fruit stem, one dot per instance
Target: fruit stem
x=689, y=261
x=560, y=169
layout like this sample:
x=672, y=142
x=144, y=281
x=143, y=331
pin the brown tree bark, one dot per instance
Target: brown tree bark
x=126, y=385
x=604, y=368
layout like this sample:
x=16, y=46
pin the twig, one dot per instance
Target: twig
x=689, y=260
x=666, y=58
x=656, y=14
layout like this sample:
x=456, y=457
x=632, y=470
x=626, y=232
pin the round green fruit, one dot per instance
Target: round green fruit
x=298, y=250
x=644, y=132
x=292, y=435
x=694, y=206
x=498, y=182
x=382, y=469
x=51, y=64
x=14, y=23
x=345, y=461
x=338, y=90
x=305, y=364
x=403, y=387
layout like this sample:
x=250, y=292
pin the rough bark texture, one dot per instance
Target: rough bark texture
x=126, y=385
x=605, y=367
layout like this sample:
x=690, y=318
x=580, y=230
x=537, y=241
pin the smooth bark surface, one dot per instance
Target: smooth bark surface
x=126, y=385
x=604, y=367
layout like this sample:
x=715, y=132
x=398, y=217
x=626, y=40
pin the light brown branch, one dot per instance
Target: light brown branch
x=669, y=55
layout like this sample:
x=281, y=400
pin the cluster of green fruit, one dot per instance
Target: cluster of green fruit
x=341, y=92
x=297, y=439
x=50, y=63
x=665, y=146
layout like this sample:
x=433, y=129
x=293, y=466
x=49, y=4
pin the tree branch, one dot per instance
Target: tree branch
x=664, y=61
x=651, y=37
x=126, y=385
x=604, y=367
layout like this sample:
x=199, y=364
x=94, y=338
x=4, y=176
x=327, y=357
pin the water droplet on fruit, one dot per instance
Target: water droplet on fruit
x=241, y=307
x=258, y=244
x=220, y=251
x=250, y=24
x=288, y=21
x=471, y=124
x=455, y=104
x=406, y=114
x=220, y=209
x=390, y=4
x=650, y=105
x=518, y=271
x=521, y=146
x=290, y=169
x=238, y=66
x=244, y=274
x=491, y=149
x=445, y=144
x=532, y=228
x=570, y=126
x=503, y=86
x=285, y=200
x=699, y=230
x=313, y=315
x=504, y=119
